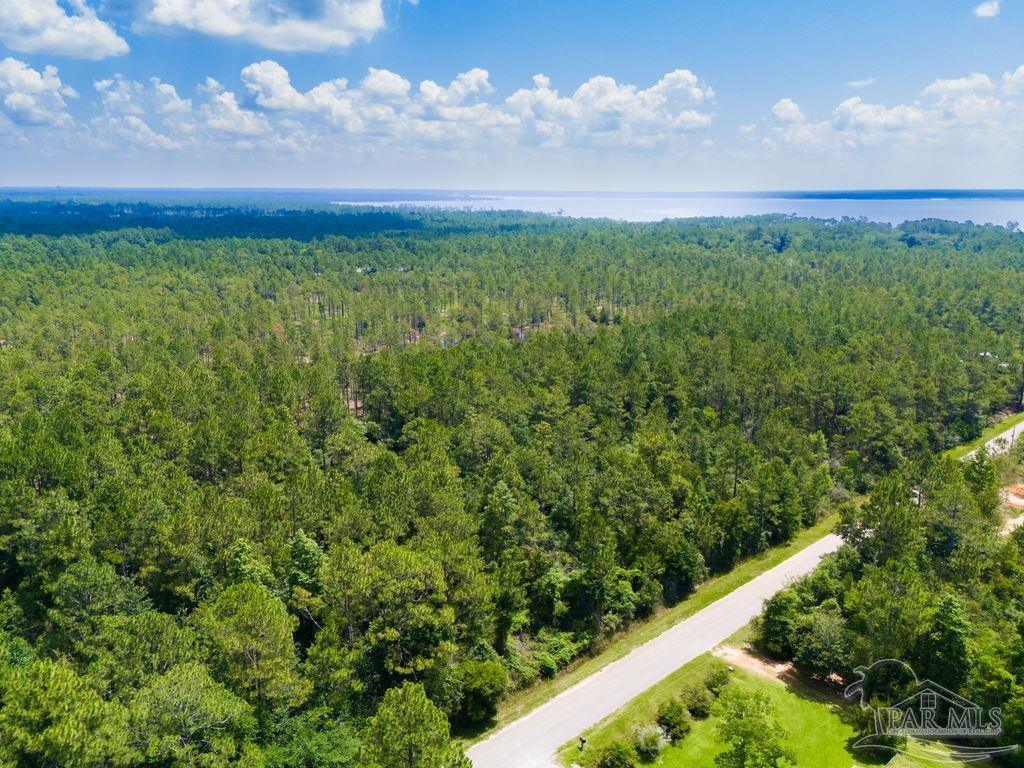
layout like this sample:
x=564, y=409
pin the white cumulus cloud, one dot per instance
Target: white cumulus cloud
x=224, y=115
x=120, y=95
x=788, y=111
x=283, y=25
x=1013, y=82
x=960, y=111
x=130, y=108
x=131, y=130
x=167, y=100
x=987, y=10
x=46, y=26
x=33, y=97
x=965, y=99
x=468, y=84
x=604, y=112
x=386, y=85
x=869, y=121
x=153, y=116
x=960, y=85
x=385, y=105
x=271, y=88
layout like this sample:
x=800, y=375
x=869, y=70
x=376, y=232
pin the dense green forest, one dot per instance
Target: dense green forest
x=309, y=494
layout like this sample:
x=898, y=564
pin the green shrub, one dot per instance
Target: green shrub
x=546, y=664
x=698, y=701
x=674, y=720
x=522, y=668
x=646, y=740
x=716, y=680
x=618, y=754
x=483, y=685
x=555, y=650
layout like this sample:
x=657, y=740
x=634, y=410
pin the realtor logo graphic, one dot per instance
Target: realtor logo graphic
x=929, y=714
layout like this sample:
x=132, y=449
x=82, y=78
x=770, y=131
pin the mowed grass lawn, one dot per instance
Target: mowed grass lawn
x=818, y=734
x=817, y=731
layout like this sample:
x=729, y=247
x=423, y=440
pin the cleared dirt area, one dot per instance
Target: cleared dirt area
x=1013, y=496
x=1011, y=524
x=749, y=659
x=753, y=662
x=1013, y=507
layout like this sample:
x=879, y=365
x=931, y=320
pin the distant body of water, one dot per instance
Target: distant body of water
x=981, y=207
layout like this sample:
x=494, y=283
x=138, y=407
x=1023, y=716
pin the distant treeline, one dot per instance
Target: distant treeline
x=201, y=221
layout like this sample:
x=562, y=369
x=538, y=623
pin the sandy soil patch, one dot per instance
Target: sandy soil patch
x=1013, y=507
x=1013, y=496
x=1010, y=524
x=752, y=661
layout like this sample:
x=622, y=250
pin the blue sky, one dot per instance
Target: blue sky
x=576, y=94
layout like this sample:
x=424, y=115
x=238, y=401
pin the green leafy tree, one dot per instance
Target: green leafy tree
x=778, y=622
x=246, y=633
x=647, y=741
x=888, y=610
x=305, y=590
x=313, y=739
x=674, y=720
x=130, y=649
x=618, y=754
x=185, y=718
x=53, y=716
x=983, y=480
x=408, y=731
x=683, y=563
x=888, y=527
x=245, y=565
x=945, y=654
x=83, y=596
x=822, y=643
x=15, y=652
x=387, y=618
x=716, y=680
x=698, y=700
x=482, y=685
x=750, y=728
x=773, y=497
x=502, y=545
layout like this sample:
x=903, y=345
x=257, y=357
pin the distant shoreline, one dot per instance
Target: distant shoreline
x=1000, y=207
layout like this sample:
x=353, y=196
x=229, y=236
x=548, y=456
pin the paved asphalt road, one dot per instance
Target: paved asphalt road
x=531, y=741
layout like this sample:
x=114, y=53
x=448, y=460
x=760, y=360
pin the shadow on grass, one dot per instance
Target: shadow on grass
x=865, y=756
x=828, y=693
x=472, y=731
